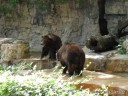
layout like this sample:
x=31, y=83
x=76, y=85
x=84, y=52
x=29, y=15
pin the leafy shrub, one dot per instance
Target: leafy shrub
x=45, y=87
x=16, y=67
x=36, y=84
x=120, y=47
x=11, y=6
x=32, y=87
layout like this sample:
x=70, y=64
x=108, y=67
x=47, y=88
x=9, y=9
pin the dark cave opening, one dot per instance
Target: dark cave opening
x=102, y=20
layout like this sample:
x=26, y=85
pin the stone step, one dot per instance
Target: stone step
x=39, y=63
x=109, y=61
x=103, y=62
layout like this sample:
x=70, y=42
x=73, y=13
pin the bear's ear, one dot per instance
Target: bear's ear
x=45, y=37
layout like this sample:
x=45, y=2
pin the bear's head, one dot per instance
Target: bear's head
x=46, y=41
x=91, y=43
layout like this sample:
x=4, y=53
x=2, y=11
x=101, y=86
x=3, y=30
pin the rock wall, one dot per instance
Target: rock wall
x=116, y=10
x=72, y=22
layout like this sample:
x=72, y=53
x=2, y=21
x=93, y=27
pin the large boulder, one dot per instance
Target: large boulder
x=19, y=49
x=5, y=41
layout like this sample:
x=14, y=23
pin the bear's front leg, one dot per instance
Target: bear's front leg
x=52, y=54
x=65, y=69
x=44, y=52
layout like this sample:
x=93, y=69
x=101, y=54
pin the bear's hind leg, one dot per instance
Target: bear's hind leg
x=78, y=72
x=71, y=69
x=79, y=69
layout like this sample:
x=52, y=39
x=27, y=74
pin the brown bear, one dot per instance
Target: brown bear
x=101, y=43
x=72, y=57
x=51, y=43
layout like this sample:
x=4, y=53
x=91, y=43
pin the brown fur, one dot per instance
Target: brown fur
x=51, y=43
x=72, y=57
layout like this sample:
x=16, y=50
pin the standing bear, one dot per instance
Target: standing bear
x=51, y=43
x=72, y=57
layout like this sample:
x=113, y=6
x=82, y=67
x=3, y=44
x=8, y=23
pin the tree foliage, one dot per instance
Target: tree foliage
x=10, y=6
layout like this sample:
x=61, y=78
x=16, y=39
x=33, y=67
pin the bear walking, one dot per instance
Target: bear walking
x=51, y=43
x=72, y=57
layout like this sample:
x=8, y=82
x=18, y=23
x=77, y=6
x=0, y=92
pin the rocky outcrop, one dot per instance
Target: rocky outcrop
x=18, y=49
x=72, y=22
x=4, y=41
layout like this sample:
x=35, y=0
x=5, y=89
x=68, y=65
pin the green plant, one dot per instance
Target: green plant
x=17, y=68
x=120, y=47
x=6, y=8
x=37, y=84
x=1, y=69
x=11, y=6
x=44, y=87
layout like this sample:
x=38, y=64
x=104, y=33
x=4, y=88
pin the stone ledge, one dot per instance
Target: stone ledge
x=118, y=63
x=104, y=62
x=107, y=62
x=40, y=63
